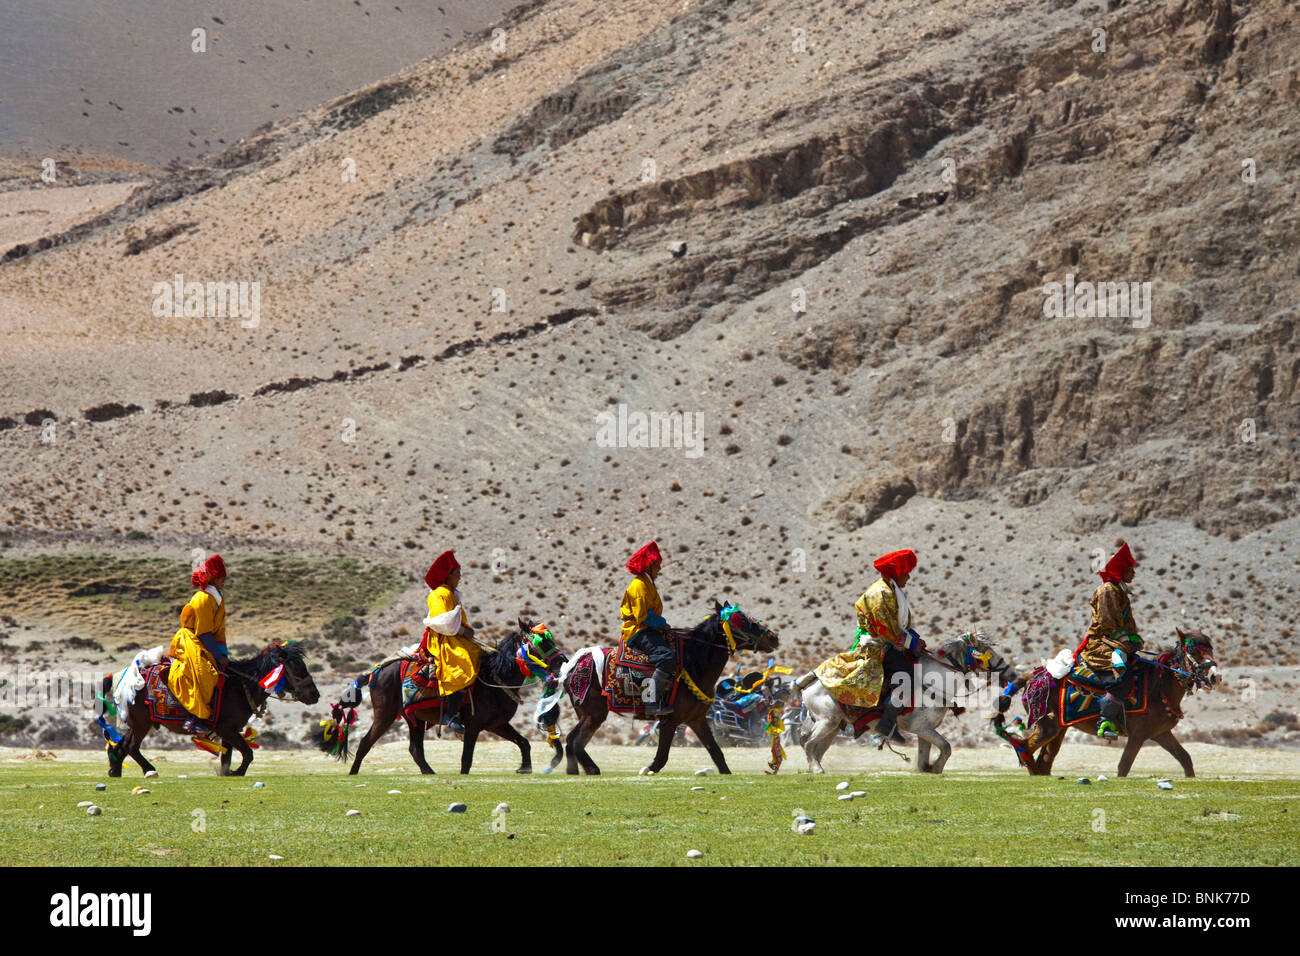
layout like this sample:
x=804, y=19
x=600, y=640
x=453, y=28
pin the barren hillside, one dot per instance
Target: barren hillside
x=824, y=228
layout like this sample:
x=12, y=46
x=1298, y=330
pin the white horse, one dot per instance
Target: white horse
x=940, y=678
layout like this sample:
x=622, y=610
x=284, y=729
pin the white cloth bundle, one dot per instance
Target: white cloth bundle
x=1060, y=665
x=447, y=623
x=129, y=682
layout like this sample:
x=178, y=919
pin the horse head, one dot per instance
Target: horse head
x=1198, y=652
x=748, y=633
x=534, y=645
x=296, y=677
x=971, y=651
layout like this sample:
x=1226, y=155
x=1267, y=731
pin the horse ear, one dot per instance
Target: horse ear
x=1179, y=632
x=523, y=626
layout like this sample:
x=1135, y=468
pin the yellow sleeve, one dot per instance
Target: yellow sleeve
x=205, y=614
x=882, y=612
x=638, y=600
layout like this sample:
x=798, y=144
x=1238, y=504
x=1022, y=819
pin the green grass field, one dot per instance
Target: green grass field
x=965, y=817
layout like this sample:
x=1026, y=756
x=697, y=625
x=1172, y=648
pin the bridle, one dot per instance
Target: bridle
x=1198, y=667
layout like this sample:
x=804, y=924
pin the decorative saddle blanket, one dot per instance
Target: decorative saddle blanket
x=163, y=707
x=1079, y=699
x=419, y=687
x=863, y=717
x=627, y=675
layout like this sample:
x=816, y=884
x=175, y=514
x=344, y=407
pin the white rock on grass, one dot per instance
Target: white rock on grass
x=354, y=813
x=456, y=808
x=150, y=774
x=845, y=796
x=259, y=785
x=85, y=803
x=392, y=792
x=1164, y=785
x=704, y=772
x=94, y=811
x=274, y=857
x=101, y=786
x=806, y=829
x=858, y=793
x=502, y=808
x=694, y=854
x=842, y=785
x=693, y=789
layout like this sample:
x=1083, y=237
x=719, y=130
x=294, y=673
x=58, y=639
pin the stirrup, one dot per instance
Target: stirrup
x=1107, y=730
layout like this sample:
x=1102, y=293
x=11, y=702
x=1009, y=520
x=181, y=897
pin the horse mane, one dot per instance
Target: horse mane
x=695, y=652
x=267, y=658
x=500, y=662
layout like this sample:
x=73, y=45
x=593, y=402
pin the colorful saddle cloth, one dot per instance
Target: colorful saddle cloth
x=855, y=678
x=419, y=687
x=1080, y=694
x=627, y=674
x=163, y=707
x=863, y=717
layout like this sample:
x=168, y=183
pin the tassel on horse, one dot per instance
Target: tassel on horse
x=333, y=738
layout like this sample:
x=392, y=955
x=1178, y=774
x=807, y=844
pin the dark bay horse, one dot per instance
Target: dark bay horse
x=706, y=649
x=1188, y=667
x=241, y=697
x=489, y=706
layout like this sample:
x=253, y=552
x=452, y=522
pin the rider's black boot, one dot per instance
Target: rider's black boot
x=659, y=705
x=451, y=705
x=887, y=726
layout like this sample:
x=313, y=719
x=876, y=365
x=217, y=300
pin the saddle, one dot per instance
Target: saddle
x=163, y=707
x=420, y=690
x=1080, y=693
x=627, y=671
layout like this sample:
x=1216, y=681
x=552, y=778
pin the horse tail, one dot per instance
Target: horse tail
x=335, y=729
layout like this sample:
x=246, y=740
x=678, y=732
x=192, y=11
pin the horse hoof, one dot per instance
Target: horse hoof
x=646, y=772
x=524, y=770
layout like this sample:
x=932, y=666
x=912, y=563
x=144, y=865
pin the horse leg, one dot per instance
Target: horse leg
x=930, y=735
x=236, y=741
x=702, y=730
x=1044, y=732
x=578, y=740
x=1184, y=759
x=922, y=754
x=116, y=754
x=416, y=746
x=382, y=721
x=1049, y=753
x=506, y=732
x=818, y=741
x=133, y=742
x=667, y=730
x=1131, y=748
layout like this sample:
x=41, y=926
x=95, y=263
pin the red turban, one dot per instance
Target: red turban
x=1119, y=563
x=440, y=570
x=643, y=559
x=212, y=569
x=894, y=565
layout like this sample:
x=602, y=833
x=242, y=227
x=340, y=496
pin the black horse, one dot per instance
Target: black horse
x=706, y=648
x=241, y=697
x=489, y=706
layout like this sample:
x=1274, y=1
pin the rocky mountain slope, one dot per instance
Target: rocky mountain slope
x=825, y=229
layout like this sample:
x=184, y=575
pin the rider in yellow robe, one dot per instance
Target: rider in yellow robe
x=448, y=638
x=198, y=648
x=644, y=628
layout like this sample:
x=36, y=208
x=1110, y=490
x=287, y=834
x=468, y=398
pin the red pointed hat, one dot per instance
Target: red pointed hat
x=1119, y=563
x=895, y=564
x=643, y=559
x=440, y=570
x=212, y=569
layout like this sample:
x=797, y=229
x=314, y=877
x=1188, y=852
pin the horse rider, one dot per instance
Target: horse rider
x=448, y=639
x=884, y=617
x=1110, y=649
x=644, y=628
x=198, y=648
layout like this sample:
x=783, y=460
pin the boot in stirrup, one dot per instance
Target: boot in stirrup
x=657, y=705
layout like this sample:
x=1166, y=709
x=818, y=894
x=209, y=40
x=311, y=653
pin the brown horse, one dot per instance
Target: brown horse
x=705, y=651
x=1188, y=667
x=241, y=697
x=489, y=706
